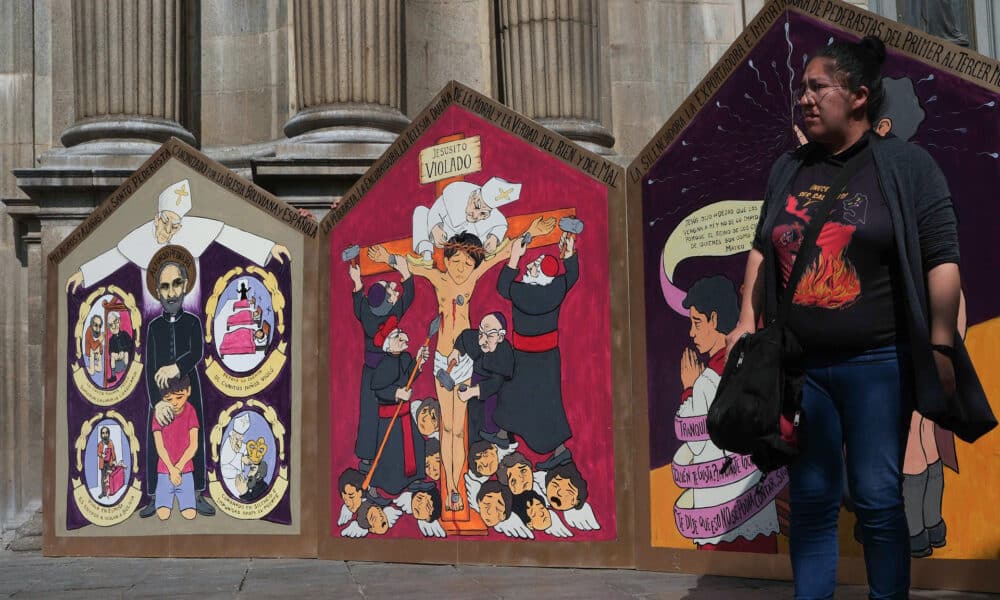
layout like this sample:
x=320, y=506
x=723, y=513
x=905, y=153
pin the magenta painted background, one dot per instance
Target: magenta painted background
x=385, y=213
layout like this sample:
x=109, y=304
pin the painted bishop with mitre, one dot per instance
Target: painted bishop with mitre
x=464, y=207
x=171, y=226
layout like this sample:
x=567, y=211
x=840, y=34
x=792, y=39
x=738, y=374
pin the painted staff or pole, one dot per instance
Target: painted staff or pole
x=431, y=332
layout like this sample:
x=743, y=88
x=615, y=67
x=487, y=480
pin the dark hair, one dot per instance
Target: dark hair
x=432, y=404
x=501, y=318
x=350, y=477
x=493, y=487
x=511, y=460
x=860, y=64
x=475, y=450
x=431, y=446
x=436, y=505
x=177, y=384
x=362, y=517
x=468, y=243
x=522, y=501
x=569, y=471
x=715, y=294
x=376, y=294
x=901, y=106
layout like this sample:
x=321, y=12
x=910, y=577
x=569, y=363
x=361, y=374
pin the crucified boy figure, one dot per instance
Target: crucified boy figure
x=465, y=262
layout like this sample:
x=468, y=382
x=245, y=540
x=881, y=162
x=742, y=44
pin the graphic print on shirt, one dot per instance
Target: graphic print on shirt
x=831, y=280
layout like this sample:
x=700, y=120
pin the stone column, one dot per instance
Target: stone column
x=348, y=80
x=128, y=76
x=448, y=40
x=551, y=62
x=348, y=70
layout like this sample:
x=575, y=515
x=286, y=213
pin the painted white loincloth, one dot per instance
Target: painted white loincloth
x=461, y=372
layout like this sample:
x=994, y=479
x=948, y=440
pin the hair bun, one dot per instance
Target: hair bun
x=873, y=46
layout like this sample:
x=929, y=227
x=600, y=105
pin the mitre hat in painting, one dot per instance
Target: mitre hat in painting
x=241, y=423
x=176, y=198
x=498, y=192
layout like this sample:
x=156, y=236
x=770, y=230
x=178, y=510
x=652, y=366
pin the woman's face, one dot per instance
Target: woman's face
x=826, y=103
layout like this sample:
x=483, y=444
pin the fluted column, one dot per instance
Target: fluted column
x=348, y=71
x=551, y=62
x=128, y=72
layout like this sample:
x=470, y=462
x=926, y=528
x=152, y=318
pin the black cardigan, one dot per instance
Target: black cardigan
x=926, y=235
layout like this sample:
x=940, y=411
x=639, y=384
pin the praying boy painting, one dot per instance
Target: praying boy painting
x=514, y=326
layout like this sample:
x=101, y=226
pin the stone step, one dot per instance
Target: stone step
x=31, y=528
x=31, y=543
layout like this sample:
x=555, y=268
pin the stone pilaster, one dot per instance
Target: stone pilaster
x=551, y=61
x=20, y=419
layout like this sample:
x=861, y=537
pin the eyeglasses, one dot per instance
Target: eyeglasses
x=816, y=91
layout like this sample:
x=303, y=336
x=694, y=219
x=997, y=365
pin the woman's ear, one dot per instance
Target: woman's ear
x=861, y=97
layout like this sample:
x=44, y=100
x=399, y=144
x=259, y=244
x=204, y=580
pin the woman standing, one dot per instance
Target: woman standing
x=875, y=312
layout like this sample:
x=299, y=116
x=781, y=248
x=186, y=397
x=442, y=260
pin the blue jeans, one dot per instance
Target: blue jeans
x=860, y=404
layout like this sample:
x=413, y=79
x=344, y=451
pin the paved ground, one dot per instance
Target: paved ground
x=29, y=575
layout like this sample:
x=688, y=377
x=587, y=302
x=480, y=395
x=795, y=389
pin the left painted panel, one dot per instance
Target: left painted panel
x=178, y=365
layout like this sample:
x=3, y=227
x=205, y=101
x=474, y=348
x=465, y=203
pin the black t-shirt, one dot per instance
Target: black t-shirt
x=844, y=300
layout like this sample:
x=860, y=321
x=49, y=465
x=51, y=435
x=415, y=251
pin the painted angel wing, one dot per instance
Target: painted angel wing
x=557, y=529
x=345, y=516
x=432, y=529
x=582, y=518
x=502, y=452
x=539, y=477
x=405, y=502
x=392, y=515
x=472, y=485
x=514, y=527
x=354, y=531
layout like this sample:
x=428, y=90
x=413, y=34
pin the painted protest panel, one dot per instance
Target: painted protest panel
x=178, y=394
x=697, y=190
x=474, y=381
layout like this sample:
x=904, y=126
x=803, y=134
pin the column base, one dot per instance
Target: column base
x=590, y=134
x=328, y=149
x=110, y=130
x=333, y=122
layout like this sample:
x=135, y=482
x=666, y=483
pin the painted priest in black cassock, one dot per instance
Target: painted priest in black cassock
x=493, y=365
x=175, y=345
x=120, y=347
x=530, y=404
x=402, y=459
x=384, y=299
